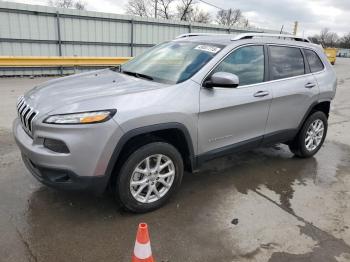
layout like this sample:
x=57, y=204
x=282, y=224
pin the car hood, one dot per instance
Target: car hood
x=72, y=89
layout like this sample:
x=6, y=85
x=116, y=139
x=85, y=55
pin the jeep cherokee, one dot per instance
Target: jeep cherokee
x=179, y=104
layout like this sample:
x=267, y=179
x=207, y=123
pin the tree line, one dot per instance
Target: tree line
x=188, y=10
x=327, y=38
x=76, y=4
x=184, y=10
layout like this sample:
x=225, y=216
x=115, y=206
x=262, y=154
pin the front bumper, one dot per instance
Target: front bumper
x=65, y=179
x=83, y=168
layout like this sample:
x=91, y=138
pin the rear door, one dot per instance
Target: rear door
x=321, y=75
x=294, y=89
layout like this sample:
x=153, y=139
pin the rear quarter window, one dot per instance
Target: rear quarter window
x=314, y=60
x=285, y=62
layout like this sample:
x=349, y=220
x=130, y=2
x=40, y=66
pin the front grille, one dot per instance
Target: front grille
x=26, y=114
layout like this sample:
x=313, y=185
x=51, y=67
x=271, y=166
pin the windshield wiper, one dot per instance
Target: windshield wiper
x=138, y=75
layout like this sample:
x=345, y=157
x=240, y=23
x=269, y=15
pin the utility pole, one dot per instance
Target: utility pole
x=281, y=31
x=295, y=28
x=155, y=8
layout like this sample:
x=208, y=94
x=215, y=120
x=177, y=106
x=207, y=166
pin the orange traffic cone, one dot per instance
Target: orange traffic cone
x=142, y=250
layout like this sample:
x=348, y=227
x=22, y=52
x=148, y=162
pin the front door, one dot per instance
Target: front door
x=232, y=117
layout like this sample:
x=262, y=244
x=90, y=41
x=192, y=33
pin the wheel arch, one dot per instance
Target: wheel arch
x=323, y=106
x=174, y=133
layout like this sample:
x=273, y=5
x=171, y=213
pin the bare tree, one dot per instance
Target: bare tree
x=138, y=7
x=332, y=40
x=229, y=17
x=326, y=38
x=164, y=9
x=315, y=39
x=185, y=9
x=344, y=42
x=61, y=3
x=200, y=16
x=76, y=4
x=324, y=35
x=146, y=8
x=245, y=22
x=80, y=5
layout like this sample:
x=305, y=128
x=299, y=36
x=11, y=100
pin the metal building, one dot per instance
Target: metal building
x=31, y=30
x=343, y=52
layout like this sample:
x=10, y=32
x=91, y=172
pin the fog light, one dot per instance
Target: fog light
x=56, y=145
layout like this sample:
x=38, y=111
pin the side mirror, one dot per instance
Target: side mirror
x=222, y=79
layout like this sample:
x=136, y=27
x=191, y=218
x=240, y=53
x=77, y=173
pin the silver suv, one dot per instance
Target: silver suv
x=136, y=129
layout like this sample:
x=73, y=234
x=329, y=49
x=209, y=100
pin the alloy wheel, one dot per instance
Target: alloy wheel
x=152, y=178
x=314, y=135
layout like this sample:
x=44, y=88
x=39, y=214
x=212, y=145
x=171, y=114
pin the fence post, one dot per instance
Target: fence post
x=189, y=28
x=131, y=37
x=59, y=38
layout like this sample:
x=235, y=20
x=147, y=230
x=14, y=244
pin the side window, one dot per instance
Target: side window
x=315, y=62
x=247, y=63
x=285, y=62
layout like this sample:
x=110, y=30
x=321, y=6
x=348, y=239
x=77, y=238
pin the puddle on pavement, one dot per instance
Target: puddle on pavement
x=328, y=249
x=276, y=169
x=274, y=172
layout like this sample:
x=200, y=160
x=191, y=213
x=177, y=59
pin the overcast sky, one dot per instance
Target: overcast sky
x=313, y=15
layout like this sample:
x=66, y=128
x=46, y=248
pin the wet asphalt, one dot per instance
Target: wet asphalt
x=262, y=205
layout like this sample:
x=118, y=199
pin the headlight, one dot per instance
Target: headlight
x=81, y=118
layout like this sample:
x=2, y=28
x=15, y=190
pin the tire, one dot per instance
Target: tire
x=299, y=146
x=156, y=180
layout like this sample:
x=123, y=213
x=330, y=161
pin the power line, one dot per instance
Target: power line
x=218, y=7
x=205, y=2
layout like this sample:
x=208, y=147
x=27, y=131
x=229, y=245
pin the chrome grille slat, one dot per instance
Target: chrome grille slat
x=21, y=107
x=34, y=114
x=26, y=114
x=20, y=100
x=24, y=110
x=20, y=104
x=27, y=117
x=20, y=112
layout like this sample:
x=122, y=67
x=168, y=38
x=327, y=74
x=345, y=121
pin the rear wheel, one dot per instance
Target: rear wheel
x=149, y=177
x=311, y=136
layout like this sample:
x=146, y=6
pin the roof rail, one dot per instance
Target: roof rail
x=280, y=36
x=240, y=36
x=199, y=34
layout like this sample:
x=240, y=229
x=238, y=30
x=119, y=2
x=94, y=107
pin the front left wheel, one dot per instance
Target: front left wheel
x=149, y=177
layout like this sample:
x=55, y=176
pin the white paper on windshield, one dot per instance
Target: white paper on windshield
x=208, y=48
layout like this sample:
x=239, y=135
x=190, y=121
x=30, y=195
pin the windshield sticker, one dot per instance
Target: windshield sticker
x=208, y=48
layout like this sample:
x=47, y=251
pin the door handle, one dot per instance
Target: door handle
x=310, y=85
x=261, y=94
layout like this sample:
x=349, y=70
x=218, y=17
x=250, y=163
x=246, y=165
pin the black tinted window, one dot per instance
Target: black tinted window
x=314, y=61
x=247, y=63
x=285, y=62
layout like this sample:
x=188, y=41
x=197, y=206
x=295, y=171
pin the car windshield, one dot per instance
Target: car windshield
x=171, y=62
